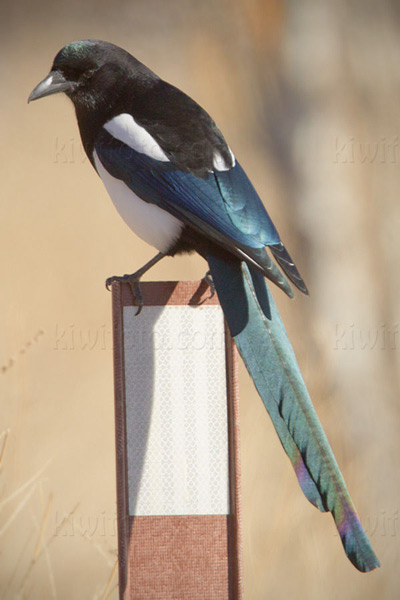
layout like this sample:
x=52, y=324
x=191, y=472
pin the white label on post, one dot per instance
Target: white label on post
x=176, y=410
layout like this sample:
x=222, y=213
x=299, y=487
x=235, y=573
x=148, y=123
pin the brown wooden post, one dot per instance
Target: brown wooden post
x=177, y=445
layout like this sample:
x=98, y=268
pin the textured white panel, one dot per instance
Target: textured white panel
x=176, y=406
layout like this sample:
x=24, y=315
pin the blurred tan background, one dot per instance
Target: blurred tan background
x=307, y=94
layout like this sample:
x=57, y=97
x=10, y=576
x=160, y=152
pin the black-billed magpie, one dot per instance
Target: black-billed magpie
x=177, y=184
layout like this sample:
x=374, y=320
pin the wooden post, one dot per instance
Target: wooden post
x=177, y=445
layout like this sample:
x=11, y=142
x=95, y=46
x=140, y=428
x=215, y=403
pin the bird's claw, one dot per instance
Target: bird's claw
x=209, y=280
x=110, y=281
x=134, y=284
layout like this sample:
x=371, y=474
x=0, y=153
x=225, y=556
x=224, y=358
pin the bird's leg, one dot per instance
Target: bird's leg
x=209, y=280
x=134, y=280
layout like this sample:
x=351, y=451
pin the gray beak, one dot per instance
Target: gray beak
x=54, y=83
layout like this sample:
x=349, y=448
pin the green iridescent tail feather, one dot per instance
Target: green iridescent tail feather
x=262, y=341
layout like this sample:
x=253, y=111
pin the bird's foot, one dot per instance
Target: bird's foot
x=134, y=283
x=134, y=280
x=209, y=280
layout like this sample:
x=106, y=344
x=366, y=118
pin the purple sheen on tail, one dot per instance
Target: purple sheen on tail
x=307, y=484
x=354, y=539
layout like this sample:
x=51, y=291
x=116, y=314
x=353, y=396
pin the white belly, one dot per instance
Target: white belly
x=151, y=223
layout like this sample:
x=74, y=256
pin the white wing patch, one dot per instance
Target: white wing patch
x=220, y=164
x=151, y=223
x=124, y=128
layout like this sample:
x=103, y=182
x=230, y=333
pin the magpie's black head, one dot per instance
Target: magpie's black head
x=88, y=71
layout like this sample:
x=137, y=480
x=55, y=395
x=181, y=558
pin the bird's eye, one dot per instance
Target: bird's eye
x=70, y=73
x=77, y=75
x=88, y=73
